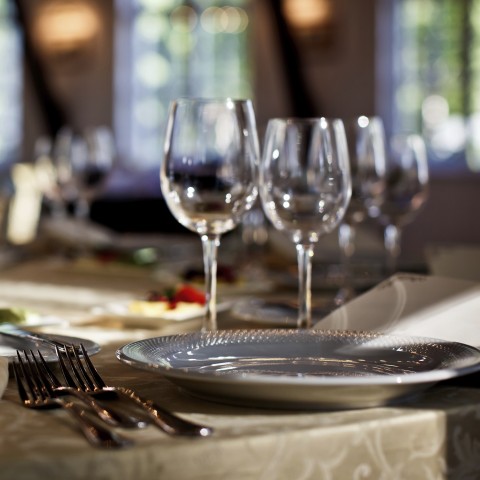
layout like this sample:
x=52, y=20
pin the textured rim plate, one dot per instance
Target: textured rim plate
x=8, y=346
x=302, y=368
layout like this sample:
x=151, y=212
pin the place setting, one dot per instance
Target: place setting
x=305, y=186
x=213, y=336
x=232, y=334
x=312, y=351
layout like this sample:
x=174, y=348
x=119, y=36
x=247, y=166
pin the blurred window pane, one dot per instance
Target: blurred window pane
x=437, y=78
x=168, y=49
x=10, y=85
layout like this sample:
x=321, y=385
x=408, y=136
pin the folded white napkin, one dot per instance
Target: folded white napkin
x=410, y=304
x=3, y=374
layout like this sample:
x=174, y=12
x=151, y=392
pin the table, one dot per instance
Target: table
x=436, y=436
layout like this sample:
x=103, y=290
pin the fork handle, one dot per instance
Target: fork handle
x=164, y=419
x=114, y=418
x=97, y=434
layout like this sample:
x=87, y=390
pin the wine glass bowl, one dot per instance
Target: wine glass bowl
x=367, y=153
x=92, y=160
x=406, y=191
x=75, y=170
x=208, y=175
x=305, y=187
x=64, y=185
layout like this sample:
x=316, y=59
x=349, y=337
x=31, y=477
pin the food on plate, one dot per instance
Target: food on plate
x=13, y=315
x=181, y=298
x=141, y=257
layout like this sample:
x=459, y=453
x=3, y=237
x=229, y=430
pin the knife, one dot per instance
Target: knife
x=13, y=331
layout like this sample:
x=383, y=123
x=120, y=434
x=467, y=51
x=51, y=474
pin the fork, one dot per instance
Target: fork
x=89, y=380
x=36, y=393
x=114, y=418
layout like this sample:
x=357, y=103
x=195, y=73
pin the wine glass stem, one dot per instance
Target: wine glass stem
x=392, y=237
x=304, y=256
x=210, y=245
x=346, y=240
x=82, y=209
x=58, y=209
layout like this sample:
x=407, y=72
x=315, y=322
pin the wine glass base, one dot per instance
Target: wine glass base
x=276, y=313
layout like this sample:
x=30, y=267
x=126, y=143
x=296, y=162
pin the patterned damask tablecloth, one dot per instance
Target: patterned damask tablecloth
x=435, y=437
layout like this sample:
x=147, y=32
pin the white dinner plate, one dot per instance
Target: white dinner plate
x=302, y=368
x=38, y=320
x=29, y=318
x=9, y=345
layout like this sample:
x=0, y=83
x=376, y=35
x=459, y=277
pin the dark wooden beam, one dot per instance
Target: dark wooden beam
x=301, y=99
x=53, y=112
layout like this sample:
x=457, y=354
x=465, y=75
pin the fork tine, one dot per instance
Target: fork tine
x=78, y=369
x=48, y=372
x=33, y=389
x=42, y=377
x=20, y=386
x=66, y=374
x=37, y=376
x=91, y=368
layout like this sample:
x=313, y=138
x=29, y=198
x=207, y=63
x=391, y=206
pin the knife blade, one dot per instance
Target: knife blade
x=14, y=331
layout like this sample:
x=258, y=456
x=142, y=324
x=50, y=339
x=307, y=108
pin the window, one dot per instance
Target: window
x=10, y=86
x=167, y=49
x=436, y=72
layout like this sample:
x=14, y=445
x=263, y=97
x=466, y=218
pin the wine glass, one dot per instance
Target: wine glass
x=367, y=152
x=64, y=189
x=208, y=174
x=92, y=160
x=46, y=177
x=305, y=187
x=406, y=191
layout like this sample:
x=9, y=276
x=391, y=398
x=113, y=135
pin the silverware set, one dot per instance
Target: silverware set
x=98, y=408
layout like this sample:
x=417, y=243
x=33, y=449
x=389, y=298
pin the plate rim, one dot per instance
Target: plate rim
x=414, y=378
x=92, y=348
